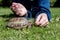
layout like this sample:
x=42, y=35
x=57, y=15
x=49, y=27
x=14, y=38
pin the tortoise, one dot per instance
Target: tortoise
x=19, y=23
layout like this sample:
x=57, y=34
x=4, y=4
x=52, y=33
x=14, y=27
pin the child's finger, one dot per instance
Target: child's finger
x=38, y=19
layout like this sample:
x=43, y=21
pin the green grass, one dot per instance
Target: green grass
x=52, y=2
x=51, y=32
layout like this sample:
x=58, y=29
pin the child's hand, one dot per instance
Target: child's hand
x=19, y=9
x=42, y=20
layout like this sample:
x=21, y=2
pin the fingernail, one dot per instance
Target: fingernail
x=16, y=6
x=37, y=23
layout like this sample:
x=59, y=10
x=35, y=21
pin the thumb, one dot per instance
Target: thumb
x=14, y=4
x=38, y=19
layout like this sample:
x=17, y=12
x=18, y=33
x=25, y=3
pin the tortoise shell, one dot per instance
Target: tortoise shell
x=19, y=23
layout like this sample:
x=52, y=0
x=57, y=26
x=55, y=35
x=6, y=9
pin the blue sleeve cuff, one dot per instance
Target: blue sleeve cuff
x=42, y=10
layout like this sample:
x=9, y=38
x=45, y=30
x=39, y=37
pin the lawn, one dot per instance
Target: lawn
x=51, y=32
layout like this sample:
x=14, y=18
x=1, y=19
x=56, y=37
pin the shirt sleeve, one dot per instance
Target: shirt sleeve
x=17, y=1
x=14, y=0
x=44, y=6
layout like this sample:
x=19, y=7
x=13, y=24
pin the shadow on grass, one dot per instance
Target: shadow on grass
x=57, y=4
x=9, y=16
